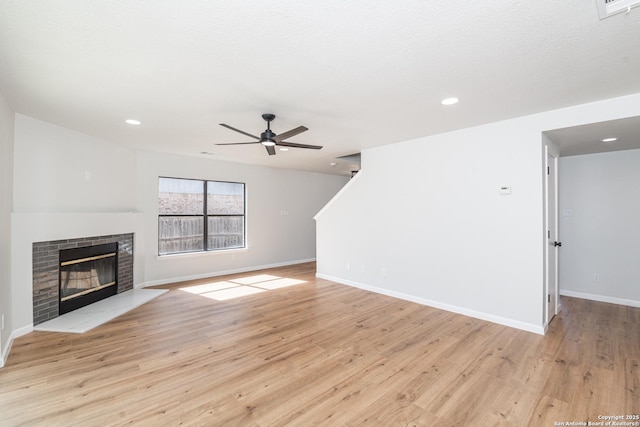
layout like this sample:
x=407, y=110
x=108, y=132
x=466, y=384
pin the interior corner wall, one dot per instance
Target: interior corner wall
x=6, y=206
x=425, y=220
x=280, y=208
x=69, y=185
x=65, y=185
x=599, y=226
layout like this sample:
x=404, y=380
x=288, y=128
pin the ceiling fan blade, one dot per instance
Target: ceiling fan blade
x=289, y=133
x=271, y=150
x=294, y=145
x=240, y=131
x=239, y=143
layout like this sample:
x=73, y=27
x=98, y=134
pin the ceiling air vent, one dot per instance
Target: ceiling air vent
x=606, y=8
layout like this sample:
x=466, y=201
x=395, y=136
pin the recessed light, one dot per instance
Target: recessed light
x=450, y=101
x=207, y=153
x=612, y=139
x=133, y=122
x=333, y=163
x=284, y=149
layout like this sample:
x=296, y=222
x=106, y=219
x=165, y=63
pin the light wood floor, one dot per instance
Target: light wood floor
x=323, y=353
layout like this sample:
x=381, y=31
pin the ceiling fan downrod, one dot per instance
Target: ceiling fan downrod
x=268, y=117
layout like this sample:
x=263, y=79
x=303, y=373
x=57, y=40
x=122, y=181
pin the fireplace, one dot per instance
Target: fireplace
x=48, y=257
x=87, y=274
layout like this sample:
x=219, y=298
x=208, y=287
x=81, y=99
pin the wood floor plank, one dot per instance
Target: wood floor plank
x=321, y=353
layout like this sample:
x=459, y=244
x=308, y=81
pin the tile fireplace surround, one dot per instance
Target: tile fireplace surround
x=46, y=263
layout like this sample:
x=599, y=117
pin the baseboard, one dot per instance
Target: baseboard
x=15, y=334
x=537, y=329
x=601, y=298
x=221, y=273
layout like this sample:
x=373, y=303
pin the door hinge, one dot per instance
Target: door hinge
x=548, y=297
x=548, y=171
x=548, y=234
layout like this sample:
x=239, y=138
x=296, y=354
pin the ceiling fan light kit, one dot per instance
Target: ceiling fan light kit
x=270, y=139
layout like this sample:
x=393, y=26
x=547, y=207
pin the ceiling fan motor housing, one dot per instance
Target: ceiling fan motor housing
x=267, y=136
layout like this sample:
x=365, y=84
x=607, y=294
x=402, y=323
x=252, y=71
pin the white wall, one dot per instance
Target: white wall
x=6, y=198
x=60, y=170
x=600, y=226
x=424, y=221
x=272, y=238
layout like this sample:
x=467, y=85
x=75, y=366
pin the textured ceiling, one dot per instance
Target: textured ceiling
x=358, y=74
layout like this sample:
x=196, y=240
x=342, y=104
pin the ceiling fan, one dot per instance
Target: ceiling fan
x=270, y=139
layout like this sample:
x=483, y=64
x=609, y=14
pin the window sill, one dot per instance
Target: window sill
x=201, y=254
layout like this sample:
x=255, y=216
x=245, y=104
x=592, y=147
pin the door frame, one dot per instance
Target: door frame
x=550, y=308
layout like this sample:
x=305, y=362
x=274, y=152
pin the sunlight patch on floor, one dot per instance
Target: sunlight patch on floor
x=252, y=280
x=231, y=293
x=240, y=287
x=208, y=287
x=279, y=283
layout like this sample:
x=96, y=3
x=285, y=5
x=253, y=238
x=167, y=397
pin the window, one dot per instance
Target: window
x=196, y=215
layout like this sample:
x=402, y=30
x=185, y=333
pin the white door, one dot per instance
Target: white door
x=553, y=245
